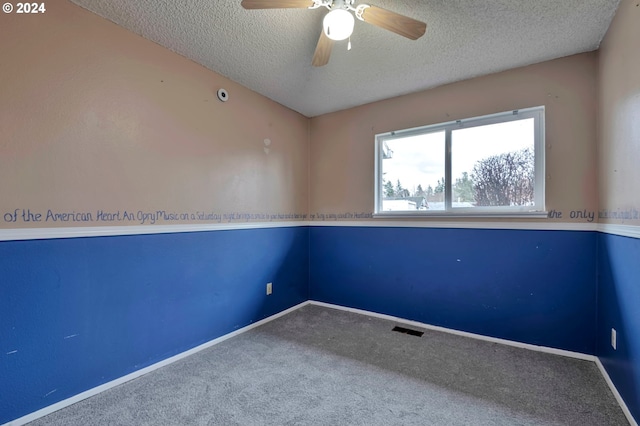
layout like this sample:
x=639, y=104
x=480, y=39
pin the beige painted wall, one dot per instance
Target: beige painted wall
x=619, y=132
x=93, y=117
x=342, y=143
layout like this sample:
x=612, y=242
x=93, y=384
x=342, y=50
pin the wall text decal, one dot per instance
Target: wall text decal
x=340, y=216
x=139, y=217
x=589, y=216
x=628, y=214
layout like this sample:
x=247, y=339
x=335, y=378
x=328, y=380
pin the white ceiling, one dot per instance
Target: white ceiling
x=270, y=51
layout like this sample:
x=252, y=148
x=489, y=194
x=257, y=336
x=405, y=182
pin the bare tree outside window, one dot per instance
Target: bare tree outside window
x=505, y=179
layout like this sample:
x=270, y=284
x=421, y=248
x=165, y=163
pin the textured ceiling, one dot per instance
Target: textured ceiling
x=270, y=51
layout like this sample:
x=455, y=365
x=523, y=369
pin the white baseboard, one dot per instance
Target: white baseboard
x=98, y=389
x=615, y=392
x=544, y=349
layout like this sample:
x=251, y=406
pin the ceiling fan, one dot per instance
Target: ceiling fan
x=338, y=23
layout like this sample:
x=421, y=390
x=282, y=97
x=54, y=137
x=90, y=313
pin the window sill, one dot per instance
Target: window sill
x=501, y=215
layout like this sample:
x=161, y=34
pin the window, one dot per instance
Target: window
x=490, y=165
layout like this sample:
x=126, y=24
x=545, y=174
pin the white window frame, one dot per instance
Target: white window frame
x=538, y=210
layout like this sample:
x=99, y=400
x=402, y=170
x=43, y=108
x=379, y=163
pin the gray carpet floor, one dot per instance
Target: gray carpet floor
x=320, y=366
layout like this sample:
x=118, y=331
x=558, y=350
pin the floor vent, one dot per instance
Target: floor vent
x=408, y=331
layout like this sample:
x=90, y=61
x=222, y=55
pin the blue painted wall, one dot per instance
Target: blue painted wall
x=536, y=287
x=76, y=313
x=619, y=308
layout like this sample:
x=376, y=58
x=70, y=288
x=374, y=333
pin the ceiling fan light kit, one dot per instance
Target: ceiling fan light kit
x=339, y=22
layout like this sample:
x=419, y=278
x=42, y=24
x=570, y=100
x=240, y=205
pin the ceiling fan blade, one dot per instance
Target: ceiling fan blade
x=399, y=24
x=323, y=51
x=277, y=4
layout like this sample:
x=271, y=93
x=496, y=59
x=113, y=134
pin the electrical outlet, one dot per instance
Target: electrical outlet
x=269, y=288
x=614, y=339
